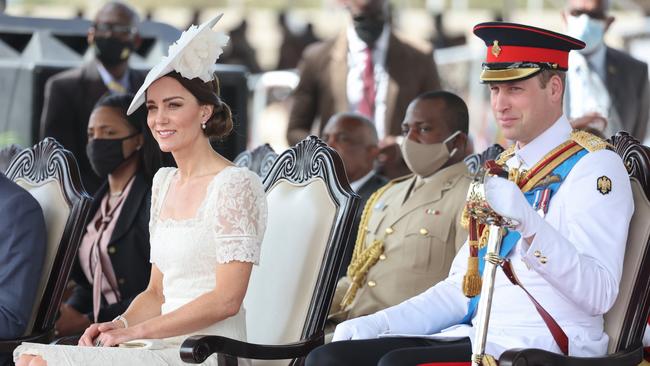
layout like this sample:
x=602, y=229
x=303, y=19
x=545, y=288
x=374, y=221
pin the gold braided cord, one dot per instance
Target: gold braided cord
x=550, y=165
x=464, y=218
x=505, y=155
x=364, y=258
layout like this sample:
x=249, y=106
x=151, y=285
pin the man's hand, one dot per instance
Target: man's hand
x=507, y=200
x=590, y=120
x=364, y=327
x=70, y=321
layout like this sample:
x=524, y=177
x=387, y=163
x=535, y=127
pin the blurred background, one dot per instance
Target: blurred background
x=41, y=37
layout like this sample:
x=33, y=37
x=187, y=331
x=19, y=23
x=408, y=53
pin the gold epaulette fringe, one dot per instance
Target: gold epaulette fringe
x=364, y=258
x=589, y=141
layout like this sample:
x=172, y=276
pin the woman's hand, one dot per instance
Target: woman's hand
x=88, y=338
x=91, y=336
x=111, y=334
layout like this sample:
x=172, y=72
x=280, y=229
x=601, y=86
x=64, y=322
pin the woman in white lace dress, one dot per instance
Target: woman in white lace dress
x=207, y=222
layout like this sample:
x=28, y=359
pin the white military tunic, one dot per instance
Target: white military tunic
x=572, y=267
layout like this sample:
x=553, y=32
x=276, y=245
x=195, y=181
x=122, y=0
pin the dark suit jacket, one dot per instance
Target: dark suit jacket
x=628, y=86
x=365, y=191
x=322, y=90
x=22, y=250
x=69, y=99
x=128, y=248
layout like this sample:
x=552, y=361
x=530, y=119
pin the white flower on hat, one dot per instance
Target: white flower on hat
x=197, y=51
x=192, y=56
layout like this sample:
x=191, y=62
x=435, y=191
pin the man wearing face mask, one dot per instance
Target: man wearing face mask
x=607, y=89
x=71, y=95
x=410, y=229
x=366, y=69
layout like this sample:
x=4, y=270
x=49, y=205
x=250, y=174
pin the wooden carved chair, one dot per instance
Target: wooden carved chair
x=51, y=175
x=310, y=212
x=259, y=160
x=625, y=322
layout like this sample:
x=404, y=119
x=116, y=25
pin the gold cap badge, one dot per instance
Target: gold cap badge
x=496, y=50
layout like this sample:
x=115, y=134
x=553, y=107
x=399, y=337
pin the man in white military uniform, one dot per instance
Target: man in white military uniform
x=570, y=258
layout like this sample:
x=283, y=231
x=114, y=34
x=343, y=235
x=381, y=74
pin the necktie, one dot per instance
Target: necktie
x=367, y=104
x=116, y=87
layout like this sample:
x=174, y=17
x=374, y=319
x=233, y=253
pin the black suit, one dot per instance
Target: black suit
x=628, y=86
x=69, y=99
x=128, y=248
x=22, y=251
x=375, y=182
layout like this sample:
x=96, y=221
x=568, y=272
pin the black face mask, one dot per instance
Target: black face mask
x=106, y=155
x=112, y=51
x=368, y=29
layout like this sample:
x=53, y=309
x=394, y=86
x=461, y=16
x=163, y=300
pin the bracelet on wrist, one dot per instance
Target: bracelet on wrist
x=123, y=320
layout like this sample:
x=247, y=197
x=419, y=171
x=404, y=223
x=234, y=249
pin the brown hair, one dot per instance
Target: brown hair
x=545, y=76
x=220, y=124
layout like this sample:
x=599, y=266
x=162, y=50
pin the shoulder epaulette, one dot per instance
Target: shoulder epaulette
x=589, y=141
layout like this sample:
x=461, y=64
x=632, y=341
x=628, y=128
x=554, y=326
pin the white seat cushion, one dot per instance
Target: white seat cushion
x=300, y=218
x=55, y=211
x=636, y=242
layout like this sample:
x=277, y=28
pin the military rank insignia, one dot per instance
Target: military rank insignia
x=604, y=185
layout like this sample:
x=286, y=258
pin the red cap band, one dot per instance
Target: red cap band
x=507, y=53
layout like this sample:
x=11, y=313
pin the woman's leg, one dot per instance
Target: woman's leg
x=360, y=352
x=438, y=351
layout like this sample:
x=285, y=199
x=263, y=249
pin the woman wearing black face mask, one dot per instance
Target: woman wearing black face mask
x=113, y=266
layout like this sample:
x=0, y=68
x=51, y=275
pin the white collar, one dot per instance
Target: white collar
x=107, y=77
x=548, y=140
x=357, y=184
x=356, y=45
x=597, y=59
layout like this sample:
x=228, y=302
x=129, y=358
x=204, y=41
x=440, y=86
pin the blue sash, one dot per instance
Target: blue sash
x=512, y=237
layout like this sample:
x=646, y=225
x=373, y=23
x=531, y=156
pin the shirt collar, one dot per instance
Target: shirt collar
x=445, y=173
x=597, y=60
x=107, y=77
x=529, y=155
x=357, y=184
x=355, y=44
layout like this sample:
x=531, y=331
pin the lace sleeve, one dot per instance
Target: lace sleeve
x=240, y=212
x=156, y=187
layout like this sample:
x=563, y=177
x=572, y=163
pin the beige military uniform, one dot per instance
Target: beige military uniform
x=421, y=233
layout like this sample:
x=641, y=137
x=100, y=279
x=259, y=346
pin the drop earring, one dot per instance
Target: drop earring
x=203, y=125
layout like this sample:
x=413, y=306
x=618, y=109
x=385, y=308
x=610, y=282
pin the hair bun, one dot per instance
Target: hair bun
x=220, y=124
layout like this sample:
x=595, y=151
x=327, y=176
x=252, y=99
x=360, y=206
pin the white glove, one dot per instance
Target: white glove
x=508, y=201
x=365, y=327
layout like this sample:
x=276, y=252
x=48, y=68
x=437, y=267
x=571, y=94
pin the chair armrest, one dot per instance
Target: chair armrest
x=196, y=349
x=537, y=357
x=8, y=345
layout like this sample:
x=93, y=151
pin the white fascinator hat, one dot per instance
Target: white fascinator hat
x=193, y=55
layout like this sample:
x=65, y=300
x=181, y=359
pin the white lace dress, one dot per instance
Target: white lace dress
x=229, y=225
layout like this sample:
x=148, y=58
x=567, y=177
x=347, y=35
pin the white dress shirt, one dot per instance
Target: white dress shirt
x=357, y=64
x=587, y=90
x=583, y=242
x=357, y=184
